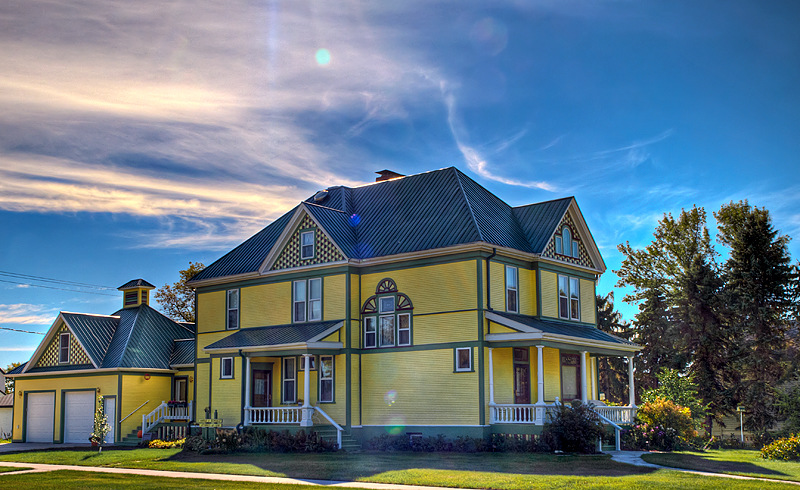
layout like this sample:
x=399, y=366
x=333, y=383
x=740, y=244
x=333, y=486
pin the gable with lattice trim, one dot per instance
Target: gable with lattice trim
x=77, y=356
x=324, y=249
x=583, y=254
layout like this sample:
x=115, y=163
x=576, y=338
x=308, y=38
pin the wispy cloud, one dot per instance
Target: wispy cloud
x=26, y=314
x=7, y=348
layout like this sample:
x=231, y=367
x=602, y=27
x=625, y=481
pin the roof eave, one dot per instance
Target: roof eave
x=277, y=347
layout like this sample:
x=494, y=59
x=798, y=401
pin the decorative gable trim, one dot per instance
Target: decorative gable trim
x=50, y=337
x=589, y=254
x=301, y=221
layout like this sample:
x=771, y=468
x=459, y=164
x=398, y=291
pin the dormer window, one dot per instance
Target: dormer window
x=307, y=245
x=566, y=244
x=63, y=348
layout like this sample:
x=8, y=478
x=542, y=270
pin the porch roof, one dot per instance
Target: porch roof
x=533, y=328
x=277, y=337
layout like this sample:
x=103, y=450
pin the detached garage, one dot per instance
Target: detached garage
x=79, y=408
x=40, y=415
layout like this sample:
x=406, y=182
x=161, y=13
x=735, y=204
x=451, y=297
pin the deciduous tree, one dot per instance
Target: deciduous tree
x=178, y=300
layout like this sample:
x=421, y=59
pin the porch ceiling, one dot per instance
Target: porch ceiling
x=279, y=337
x=536, y=329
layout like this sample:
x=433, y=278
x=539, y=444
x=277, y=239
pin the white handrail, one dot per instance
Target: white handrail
x=134, y=411
x=338, y=427
x=165, y=411
x=617, y=429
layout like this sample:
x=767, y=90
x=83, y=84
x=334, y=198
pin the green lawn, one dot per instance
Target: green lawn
x=731, y=461
x=667, y=480
x=6, y=469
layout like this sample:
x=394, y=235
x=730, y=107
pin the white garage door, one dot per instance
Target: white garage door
x=79, y=407
x=39, y=417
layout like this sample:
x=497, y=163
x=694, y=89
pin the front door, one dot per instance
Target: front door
x=180, y=389
x=262, y=388
x=522, y=376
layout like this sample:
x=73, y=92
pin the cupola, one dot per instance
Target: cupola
x=135, y=293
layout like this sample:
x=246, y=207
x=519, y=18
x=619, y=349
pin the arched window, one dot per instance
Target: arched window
x=566, y=244
x=387, y=317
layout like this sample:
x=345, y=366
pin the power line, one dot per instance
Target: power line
x=50, y=279
x=53, y=287
x=23, y=331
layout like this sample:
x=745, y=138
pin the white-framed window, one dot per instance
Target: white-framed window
x=387, y=330
x=63, y=348
x=326, y=379
x=307, y=245
x=307, y=300
x=559, y=245
x=404, y=329
x=226, y=368
x=463, y=359
x=312, y=366
x=233, y=309
x=566, y=244
x=289, y=380
x=370, y=332
x=512, y=289
x=569, y=299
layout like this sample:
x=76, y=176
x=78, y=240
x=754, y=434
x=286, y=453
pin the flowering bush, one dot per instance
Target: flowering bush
x=649, y=437
x=159, y=444
x=665, y=413
x=786, y=448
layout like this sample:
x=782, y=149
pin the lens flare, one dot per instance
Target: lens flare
x=489, y=35
x=323, y=57
x=354, y=220
x=390, y=397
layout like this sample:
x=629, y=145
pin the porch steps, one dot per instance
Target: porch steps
x=349, y=443
x=132, y=439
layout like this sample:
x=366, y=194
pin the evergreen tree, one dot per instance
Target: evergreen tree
x=178, y=301
x=760, y=293
x=613, y=371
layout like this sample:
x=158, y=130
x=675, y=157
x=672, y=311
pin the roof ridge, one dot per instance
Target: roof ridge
x=469, y=204
x=543, y=202
x=87, y=314
x=324, y=207
x=130, y=333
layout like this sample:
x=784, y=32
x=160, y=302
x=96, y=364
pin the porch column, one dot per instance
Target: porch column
x=539, y=375
x=584, y=394
x=631, y=391
x=306, y=409
x=491, y=378
x=247, y=395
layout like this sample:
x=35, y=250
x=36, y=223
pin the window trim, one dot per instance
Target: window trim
x=374, y=321
x=302, y=364
x=313, y=244
x=228, y=308
x=222, y=361
x=307, y=302
x=332, y=380
x=407, y=329
x=311, y=301
x=393, y=318
x=458, y=368
x=561, y=248
x=284, y=380
x=61, y=336
x=568, y=315
x=515, y=289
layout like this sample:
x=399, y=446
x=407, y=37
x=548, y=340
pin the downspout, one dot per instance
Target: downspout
x=488, y=280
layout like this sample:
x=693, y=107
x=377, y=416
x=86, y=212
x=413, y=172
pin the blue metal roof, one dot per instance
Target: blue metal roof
x=419, y=212
x=136, y=283
x=94, y=332
x=182, y=352
x=588, y=332
x=272, y=336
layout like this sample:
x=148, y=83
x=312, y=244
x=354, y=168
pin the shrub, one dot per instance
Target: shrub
x=255, y=439
x=647, y=437
x=462, y=444
x=786, y=449
x=665, y=413
x=575, y=428
x=159, y=444
x=681, y=390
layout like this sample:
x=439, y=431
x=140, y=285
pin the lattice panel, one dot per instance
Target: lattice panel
x=550, y=250
x=324, y=249
x=77, y=356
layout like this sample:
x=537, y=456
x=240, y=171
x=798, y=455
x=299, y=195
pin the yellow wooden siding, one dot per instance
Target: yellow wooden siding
x=334, y=337
x=211, y=311
x=202, y=380
x=355, y=396
x=588, y=302
x=552, y=373
x=497, y=285
x=266, y=304
x=447, y=327
x=355, y=334
x=207, y=339
x=549, y=294
x=355, y=296
x=527, y=292
x=226, y=394
x=107, y=385
x=137, y=390
x=333, y=297
x=337, y=409
x=417, y=387
x=434, y=288
x=503, y=367
x=497, y=328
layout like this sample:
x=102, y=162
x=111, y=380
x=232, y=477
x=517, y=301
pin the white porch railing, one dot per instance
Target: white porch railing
x=166, y=413
x=617, y=415
x=273, y=415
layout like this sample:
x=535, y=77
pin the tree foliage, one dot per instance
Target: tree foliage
x=178, y=300
x=9, y=387
x=613, y=371
x=679, y=389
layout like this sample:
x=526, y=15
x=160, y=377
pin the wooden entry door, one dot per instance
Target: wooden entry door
x=262, y=388
x=522, y=376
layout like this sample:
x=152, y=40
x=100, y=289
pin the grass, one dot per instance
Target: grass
x=8, y=469
x=508, y=471
x=667, y=480
x=731, y=461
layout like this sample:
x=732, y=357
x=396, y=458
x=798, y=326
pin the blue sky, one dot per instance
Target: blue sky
x=138, y=136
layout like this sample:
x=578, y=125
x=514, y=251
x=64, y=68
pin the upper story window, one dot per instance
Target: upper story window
x=233, y=309
x=569, y=299
x=307, y=300
x=307, y=245
x=63, y=348
x=512, y=289
x=387, y=317
x=566, y=244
